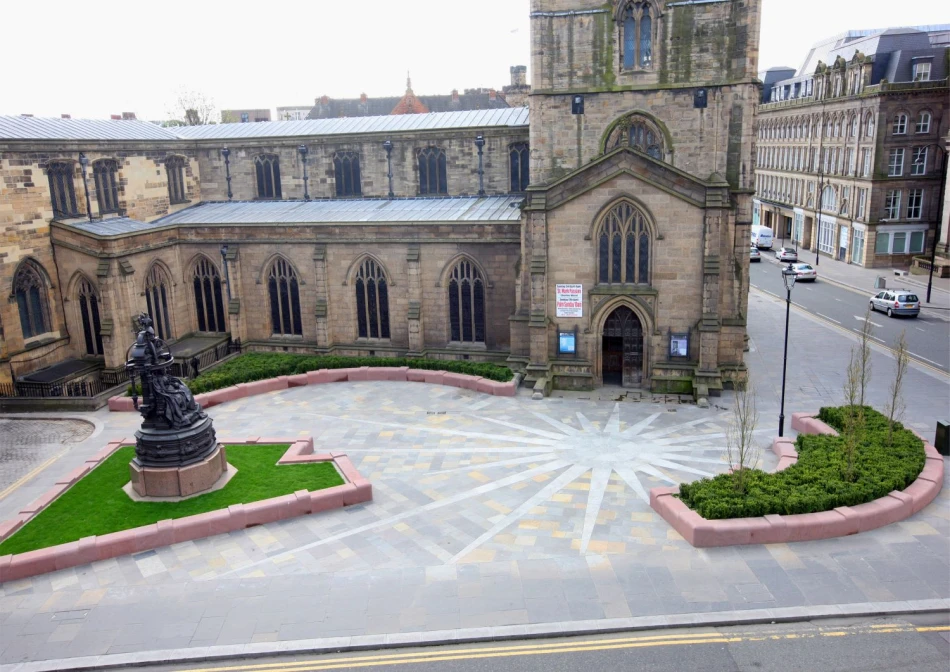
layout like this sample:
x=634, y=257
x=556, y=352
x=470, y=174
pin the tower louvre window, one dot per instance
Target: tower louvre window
x=637, y=27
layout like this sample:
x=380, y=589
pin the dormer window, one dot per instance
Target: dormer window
x=637, y=36
x=922, y=71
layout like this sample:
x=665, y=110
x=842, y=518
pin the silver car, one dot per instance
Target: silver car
x=754, y=254
x=896, y=302
x=803, y=272
x=787, y=254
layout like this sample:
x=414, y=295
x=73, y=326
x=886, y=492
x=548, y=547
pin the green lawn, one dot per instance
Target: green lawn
x=97, y=505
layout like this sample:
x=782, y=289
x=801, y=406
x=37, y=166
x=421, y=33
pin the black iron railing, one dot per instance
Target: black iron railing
x=184, y=368
x=90, y=385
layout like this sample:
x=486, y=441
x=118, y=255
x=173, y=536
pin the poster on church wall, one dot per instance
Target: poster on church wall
x=570, y=300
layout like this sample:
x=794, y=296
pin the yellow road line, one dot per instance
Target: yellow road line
x=20, y=482
x=549, y=648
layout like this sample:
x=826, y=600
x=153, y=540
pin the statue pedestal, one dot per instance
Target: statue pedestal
x=179, y=481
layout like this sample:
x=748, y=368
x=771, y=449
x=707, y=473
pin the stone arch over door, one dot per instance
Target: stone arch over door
x=612, y=320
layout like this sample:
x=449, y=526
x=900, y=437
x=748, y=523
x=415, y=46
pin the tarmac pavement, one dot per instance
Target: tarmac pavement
x=491, y=518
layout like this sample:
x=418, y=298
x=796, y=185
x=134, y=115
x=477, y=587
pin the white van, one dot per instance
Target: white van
x=762, y=237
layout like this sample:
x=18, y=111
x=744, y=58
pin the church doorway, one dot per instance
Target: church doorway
x=622, y=349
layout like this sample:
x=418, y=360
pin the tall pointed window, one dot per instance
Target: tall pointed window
x=346, y=170
x=623, y=247
x=89, y=312
x=432, y=177
x=284, y=291
x=208, y=302
x=268, y=175
x=158, y=299
x=30, y=288
x=107, y=190
x=372, y=301
x=62, y=189
x=518, y=158
x=466, y=304
x=637, y=36
x=175, y=171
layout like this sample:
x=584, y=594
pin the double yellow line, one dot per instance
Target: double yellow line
x=550, y=648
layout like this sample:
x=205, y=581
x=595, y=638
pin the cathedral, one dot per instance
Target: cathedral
x=597, y=236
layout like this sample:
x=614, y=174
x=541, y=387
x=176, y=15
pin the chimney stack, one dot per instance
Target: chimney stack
x=519, y=75
x=66, y=116
x=363, y=98
x=455, y=95
x=128, y=116
x=116, y=117
x=492, y=96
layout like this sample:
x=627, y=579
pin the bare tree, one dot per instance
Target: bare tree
x=741, y=451
x=896, y=406
x=853, y=420
x=192, y=108
x=864, y=356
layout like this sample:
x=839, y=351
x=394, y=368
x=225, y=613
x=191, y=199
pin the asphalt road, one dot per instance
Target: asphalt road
x=928, y=337
x=918, y=644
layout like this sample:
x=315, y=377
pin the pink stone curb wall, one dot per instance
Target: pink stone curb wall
x=774, y=529
x=355, y=490
x=364, y=373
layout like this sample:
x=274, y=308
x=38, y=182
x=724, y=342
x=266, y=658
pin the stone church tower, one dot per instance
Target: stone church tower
x=635, y=230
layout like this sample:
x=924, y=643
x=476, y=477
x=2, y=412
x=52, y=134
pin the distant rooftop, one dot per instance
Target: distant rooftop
x=50, y=128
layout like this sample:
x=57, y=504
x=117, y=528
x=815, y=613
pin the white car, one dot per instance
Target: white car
x=803, y=272
x=786, y=254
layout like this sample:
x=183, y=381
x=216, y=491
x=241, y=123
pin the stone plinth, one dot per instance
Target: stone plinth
x=179, y=481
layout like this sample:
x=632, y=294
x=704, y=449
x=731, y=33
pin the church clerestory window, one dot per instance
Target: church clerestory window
x=518, y=157
x=346, y=171
x=267, y=167
x=372, y=301
x=623, y=247
x=175, y=171
x=62, y=190
x=637, y=30
x=432, y=174
x=107, y=190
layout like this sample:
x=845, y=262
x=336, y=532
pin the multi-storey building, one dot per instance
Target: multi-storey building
x=622, y=260
x=849, y=152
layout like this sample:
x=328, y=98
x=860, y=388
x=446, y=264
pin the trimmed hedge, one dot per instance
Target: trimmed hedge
x=817, y=482
x=253, y=366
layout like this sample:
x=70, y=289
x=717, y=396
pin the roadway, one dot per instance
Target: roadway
x=895, y=644
x=927, y=336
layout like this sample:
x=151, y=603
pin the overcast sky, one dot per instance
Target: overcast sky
x=112, y=56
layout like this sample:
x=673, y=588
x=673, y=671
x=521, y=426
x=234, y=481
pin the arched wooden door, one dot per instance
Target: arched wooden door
x=622, y=349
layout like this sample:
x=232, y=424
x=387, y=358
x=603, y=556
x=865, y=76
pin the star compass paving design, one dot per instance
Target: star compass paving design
x=480, y=479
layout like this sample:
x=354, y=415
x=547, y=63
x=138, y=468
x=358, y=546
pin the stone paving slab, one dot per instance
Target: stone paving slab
x=488, y=513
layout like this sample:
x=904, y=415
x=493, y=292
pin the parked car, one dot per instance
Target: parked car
x=754, y=254
x=787, y=254
x=762, y=237
x=896, y=302
x=803, y=272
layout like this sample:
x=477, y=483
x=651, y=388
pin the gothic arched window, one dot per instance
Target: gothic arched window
x=268, y=175
x=639, y=133
x=284, y=291
x=466, y=303
x=346, y=170
x=623, y=247
x=637, y=36
x=208, y=300
x=175, y=170
x=157, y=300
x=89, y=311
x=518, y=157
x=61, y=188
x=372, y=301
x=432, y=177
x=107, y=190
x=30, y=289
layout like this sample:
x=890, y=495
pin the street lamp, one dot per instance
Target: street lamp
x=788, y=277
x=388, y=146
x=225, y=152
x=83, y=163
x=480, y=143
x=303, y=157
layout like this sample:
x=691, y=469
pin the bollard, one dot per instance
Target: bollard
x=942, y=438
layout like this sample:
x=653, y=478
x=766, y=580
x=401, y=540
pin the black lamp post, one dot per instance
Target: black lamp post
x=224, y=262
x=303, y=157
x=788, y=277
x=225, y=152
x=480, y=143
x=388, y=146
x=83, y=163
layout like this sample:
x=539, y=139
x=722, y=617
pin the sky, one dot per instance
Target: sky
x=113, y=56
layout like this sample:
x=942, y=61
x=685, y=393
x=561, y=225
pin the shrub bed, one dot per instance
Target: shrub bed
x=817, y=482
x=253, y=366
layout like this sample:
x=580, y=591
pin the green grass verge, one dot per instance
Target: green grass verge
x=253, y=366
x=97, y=505
x=817, y=481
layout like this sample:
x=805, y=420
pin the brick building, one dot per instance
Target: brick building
x=849, y=153
x=623, y=259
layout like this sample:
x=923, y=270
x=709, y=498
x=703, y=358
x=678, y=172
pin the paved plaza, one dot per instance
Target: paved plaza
x=487, y=511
